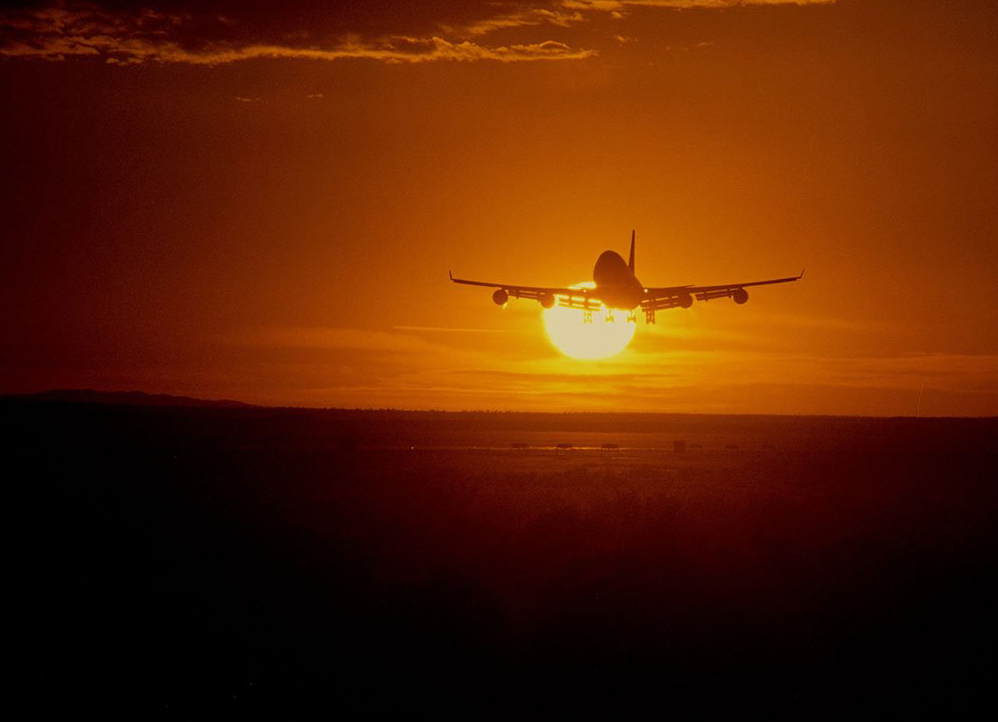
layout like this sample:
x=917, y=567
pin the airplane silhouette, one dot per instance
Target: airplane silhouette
x=618, y=288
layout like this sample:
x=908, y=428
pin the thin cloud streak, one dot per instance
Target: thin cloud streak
x=59, y=33
x=449, y=329
x=565, y=13
x=394, y=50
x=617, y=6
x=415, y=369
x=517, y=19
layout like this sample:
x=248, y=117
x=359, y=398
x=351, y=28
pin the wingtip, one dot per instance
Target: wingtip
x=802, y=273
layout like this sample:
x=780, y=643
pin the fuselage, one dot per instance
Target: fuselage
x=618, y=287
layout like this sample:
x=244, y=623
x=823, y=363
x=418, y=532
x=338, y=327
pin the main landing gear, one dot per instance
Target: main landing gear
x=649, y=316
x=587, y=317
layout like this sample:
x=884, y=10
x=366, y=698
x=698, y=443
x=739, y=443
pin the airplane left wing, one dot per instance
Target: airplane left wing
x=546, y=295
x=657, y=299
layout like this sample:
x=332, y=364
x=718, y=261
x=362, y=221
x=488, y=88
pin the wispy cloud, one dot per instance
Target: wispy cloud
x=517, y=18
x=60, y=33
x=564, y=13
x=128, y=38
x=618, y=6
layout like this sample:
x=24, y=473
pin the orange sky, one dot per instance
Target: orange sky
x=264, y=204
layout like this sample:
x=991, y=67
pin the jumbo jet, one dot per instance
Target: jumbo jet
x=616, y=287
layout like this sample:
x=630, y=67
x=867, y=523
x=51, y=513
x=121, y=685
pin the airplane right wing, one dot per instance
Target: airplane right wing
x=584, y=298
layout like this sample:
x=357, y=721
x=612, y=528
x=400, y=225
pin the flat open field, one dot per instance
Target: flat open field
x=297, y=563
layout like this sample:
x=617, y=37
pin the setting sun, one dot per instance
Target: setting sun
x=573, y=336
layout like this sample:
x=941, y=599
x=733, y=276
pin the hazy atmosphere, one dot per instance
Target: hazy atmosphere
x=263, y=203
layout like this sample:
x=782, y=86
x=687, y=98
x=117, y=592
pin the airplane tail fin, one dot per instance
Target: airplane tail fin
x=630, y=260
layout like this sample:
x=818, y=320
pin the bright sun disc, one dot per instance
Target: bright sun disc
x=599, y=339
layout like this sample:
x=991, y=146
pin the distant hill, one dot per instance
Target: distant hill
x=125, y=398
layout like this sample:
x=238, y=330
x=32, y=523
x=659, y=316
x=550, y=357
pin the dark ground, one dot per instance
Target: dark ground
x=299, y=563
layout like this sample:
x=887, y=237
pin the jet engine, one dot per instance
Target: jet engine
x=740, y=295
x=685, y=301
x=546, y=301
x=500, y=297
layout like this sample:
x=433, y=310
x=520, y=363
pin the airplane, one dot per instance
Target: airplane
x=616, y=287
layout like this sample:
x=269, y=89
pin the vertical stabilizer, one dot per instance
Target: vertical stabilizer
x=630, y=260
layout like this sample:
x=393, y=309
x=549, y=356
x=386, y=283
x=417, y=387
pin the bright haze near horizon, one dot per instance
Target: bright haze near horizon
x=263, y=204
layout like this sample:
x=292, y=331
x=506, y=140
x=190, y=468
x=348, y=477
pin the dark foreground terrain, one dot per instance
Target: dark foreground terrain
x=301, y=563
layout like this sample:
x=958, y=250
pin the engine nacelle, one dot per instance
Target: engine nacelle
x=685, y=301
x=546, y=301
x=740, y=295
x=500, y=297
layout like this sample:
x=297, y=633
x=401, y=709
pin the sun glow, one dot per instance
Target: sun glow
x=573, y=337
